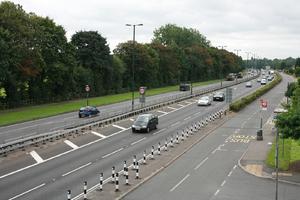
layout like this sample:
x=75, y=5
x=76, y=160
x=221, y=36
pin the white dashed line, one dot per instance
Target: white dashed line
x=173, y=188
x=175, y=124
x=187, y=118
x=172, y=108
x=180, y=105
x=78, y=168
x=120, y=127
x=19, y=195
x=116, y=151
x=159, y=131
x=98, y=134
x=36, y=157
x=223, y=183
x=163, y=112
x=138, y=141
x=234, y=167
x=229, y=173
x=216, y=193
x=202, y=162
x=71, y=144
x=131, y=119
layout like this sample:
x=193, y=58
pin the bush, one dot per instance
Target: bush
x=243, y=102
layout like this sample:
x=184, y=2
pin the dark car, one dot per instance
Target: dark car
x=219, y=96
x=88, y=111
x=145, y=122
x=240, y=75
x=184, y=87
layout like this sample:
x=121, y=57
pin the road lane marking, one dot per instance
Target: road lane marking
x=180, y=105
x=172, y=108
x=159, y=131
x=175, y=124
x=138, y=141
x=131, y=119
x=202, y=162
x=163, y=112
x=229, y=173
x=71, y=144
x=234, y=167
x=173, y=188
x=187, y=118
x=19, y=195
x=223, y=183
x=116, y=151
x=98, y=134
x=78, y=168
x=216, y=193
x=120, y=127
x=36, y=157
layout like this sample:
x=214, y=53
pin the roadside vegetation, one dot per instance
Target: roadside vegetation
x=243, y=102
x=39, y=65
x=35, y=112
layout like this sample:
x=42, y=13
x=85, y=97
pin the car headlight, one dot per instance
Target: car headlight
x=133, y=126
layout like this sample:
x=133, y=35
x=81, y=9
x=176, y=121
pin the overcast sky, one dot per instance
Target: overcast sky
x=267, y=28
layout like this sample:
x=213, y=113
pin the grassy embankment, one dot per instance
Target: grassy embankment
x=12, y=116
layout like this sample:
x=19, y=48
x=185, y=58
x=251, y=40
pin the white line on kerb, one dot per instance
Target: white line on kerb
x=36, y=157
x=78, y=168
x=71, y=144
x=98, y=134
x=199, y=165
x=173, y=188
x=163, y=112
x=27, y=191
x=120, y=127
x=116, y=151
x=138, y=141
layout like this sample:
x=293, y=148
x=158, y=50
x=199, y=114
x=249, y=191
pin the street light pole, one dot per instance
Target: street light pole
x=247, y=58
x=132, y=68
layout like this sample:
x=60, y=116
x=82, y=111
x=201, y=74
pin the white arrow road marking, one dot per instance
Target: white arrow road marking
x=120, y=127
x=36, y=157
x=71, y=144
x=98, y=134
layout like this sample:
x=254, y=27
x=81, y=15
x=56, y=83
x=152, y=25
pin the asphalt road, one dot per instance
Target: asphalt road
x=61, y=166
x=60, y=122
x=210, y=169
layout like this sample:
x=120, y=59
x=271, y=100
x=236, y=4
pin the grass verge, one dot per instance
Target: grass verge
x=13, y=116
x=289, y=152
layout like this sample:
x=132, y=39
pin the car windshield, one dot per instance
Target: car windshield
x=204, y=98
x=142, y=118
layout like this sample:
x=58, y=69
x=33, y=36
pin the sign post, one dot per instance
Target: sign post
x=87, y=89
x=228, y=95
x=142, y=91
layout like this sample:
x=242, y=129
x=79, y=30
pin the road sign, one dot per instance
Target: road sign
x=87, y=88
x=264, y=104
x=228, y=95
x=142, y=90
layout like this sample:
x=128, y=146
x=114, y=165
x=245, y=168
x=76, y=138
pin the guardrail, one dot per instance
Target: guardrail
x=108, y=119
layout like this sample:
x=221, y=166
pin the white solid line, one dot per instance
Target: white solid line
x=116, y=151
x=202, y=162
x=223, y=183
x=161, y=112
x=173, y=188
x=98, y=134
x=78, y=168
x=120, y=127
x=159, y=131
x=172, y=108
x=27, y=191
x=138, y=141
x=71, y=144
x=229, y=173
x=216, y=193
x=36, y=157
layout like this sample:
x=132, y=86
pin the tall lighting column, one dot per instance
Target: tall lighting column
x=133, y=48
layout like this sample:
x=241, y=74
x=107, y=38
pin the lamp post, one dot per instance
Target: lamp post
x=247, y=58
x=221, y=71
x=133, y=47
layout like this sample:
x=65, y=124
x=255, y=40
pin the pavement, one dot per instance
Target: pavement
x=253, y=160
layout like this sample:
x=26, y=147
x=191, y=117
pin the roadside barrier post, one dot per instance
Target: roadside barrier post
x=84, y=190
x=152, y=152
x=137, y=171
x=101, y=182
x=177, y=139
x=117, y=182
x=134, y=162
x=158, y=149
x=144, y=157
x=126, y=176
x=171, y=141
x=166, y=145
x=113, y=174
x=124, y=167
x=69, y=195
x=182, y=135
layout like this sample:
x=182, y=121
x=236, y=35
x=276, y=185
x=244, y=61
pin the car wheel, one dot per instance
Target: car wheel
x=148, y=130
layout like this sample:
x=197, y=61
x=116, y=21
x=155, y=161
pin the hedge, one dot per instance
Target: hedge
x=243, y=102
